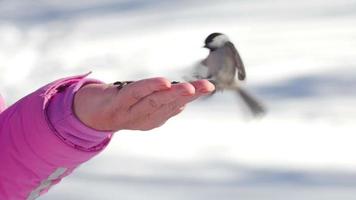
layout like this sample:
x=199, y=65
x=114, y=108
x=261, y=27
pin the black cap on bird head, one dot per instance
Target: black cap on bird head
x=215, y=40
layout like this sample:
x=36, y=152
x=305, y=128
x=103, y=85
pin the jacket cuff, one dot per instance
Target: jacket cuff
x=66, y=124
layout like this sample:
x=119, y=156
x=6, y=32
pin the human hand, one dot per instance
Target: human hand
x=141, y=105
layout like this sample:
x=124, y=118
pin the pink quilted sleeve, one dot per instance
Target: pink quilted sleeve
x=42, y=141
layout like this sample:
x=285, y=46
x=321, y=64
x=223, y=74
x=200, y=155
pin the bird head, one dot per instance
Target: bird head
x=215, y=41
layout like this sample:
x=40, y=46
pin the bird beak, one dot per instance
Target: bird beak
x=205, y=46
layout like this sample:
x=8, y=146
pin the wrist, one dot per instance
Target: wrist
x=93, y=105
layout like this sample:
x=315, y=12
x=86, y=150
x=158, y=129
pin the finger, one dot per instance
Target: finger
x=203, y=86
x=156, y=100
x=179, y=95
x=171, y=103
x=134, y=92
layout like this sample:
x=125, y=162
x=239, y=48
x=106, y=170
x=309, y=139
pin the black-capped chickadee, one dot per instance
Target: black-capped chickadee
x=220, y=68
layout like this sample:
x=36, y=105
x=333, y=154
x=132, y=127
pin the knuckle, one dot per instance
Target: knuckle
x=159, y=82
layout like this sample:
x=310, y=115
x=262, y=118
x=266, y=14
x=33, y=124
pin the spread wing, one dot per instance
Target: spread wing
x=238, y=61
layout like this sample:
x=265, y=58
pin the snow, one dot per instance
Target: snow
x=300, y=60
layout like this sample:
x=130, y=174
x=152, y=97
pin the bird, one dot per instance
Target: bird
x=224, y=68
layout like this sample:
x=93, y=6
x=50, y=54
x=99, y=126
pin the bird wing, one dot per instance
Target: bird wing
x=237, y=59
x=204, y=62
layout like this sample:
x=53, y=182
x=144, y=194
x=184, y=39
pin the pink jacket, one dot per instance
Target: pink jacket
x=42, y=141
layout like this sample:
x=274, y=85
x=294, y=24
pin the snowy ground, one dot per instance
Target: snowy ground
x=300, y=59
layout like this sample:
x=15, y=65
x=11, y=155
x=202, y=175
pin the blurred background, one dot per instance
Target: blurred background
x=300, y=60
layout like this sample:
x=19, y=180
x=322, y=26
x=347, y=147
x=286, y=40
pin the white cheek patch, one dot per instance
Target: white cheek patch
x=219, y=41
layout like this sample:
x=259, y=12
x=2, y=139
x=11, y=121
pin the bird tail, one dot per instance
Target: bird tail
x=253, y=104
